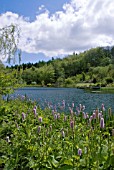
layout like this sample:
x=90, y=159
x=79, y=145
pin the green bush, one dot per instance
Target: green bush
x=109, y=80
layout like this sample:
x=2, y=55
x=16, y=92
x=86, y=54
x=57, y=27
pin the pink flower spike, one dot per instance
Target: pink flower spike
x=94, y=115
x=34, y=110
x=53, y=112
x=102, y=123
x=79, y=152
x=72, y=124
x=58, y=115
x=55, y=116
x=103, y=108
x=73, y=104
x=39, y=129
x=63, y=133
x=40, y=119
x=23, y=116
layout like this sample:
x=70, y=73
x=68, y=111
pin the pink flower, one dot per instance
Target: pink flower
x=34, y=110
x=103, y=108
x=94, y=115
x=99, y=115
x=72, y=124
x=58, y=115
x=55, y=116
x=102, y=123
x=79, y=152
x=63, y=103
x=53, y=112
x=40, y=119
x=23, y=116
x=39, y=129
x=73, y=104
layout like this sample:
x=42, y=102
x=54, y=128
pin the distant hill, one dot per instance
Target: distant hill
x=92, y=66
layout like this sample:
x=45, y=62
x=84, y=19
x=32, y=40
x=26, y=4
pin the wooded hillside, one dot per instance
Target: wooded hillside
x=93, y=66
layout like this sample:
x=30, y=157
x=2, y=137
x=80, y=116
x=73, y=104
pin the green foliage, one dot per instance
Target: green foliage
x=7, y=82
x=95, y=63
x=9, y=38
x=26, y=146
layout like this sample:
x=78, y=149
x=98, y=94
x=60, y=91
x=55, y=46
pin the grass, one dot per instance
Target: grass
x=37, y=139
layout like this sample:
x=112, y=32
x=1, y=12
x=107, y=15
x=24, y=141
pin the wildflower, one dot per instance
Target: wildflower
x=90, y=119
x=72, y=104
x=39, y=129
x=99, y=115
x=35, y=107
x=40, y=119
x=34, y=110
x=58, y=115
x=83, y=107
x=84, y=115
x=63, y=133
x=53, y=112
x=79, y=152
x=50, y=127
x=7, y=139
x=63, y=103
x=65, y=118
x=55, y=116
x=102, y=122
x=94, y=115
x=102, y=107
x=71, y=111
x=23, y=116
x=87, y=116
x=72, y=124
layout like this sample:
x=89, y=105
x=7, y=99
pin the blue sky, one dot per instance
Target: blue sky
x=30, y=8
x=56, y=28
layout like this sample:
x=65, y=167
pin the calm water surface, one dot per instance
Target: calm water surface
x=55, y=96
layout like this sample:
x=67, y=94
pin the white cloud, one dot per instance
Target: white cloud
x=81, y=25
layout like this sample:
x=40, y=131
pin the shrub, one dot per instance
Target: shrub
x=109, y=80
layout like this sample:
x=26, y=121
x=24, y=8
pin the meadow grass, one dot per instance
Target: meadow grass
x=36, y=139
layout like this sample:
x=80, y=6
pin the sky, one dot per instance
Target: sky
x=57, y=28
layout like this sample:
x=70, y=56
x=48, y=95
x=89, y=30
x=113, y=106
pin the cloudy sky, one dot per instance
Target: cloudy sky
x=56, y=28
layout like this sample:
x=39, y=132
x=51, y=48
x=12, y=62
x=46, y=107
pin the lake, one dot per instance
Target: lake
x=53, y=97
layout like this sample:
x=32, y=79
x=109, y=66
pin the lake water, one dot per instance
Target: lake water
x=54, y=97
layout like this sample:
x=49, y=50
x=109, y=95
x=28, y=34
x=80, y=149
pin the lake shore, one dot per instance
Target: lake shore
x=86, y=86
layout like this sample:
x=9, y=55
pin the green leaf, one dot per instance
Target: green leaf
x=112, y=160
x=68, y=162
x=66, y=167
x=55, y=163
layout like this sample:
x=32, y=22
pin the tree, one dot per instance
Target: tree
x=9, y=39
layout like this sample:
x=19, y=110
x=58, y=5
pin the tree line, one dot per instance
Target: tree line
x=92, y=66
